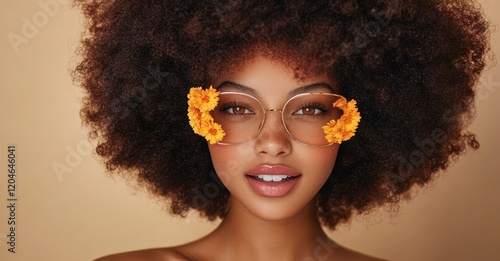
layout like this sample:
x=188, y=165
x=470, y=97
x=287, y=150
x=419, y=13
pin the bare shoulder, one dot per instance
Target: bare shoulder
x=157, y=254
x=189, y=252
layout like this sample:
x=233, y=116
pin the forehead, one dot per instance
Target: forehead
x=268, y=77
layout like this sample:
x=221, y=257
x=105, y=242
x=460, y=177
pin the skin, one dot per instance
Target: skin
x=258, y=227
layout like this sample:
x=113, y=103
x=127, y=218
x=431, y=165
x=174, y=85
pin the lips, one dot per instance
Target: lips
x=272, y=180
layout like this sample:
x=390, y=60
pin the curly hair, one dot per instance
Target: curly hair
x=411, y=65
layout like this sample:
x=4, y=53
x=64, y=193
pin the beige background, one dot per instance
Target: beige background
x=68, y=209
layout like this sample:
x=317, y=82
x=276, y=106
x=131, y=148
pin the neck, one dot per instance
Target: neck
x=244, y=236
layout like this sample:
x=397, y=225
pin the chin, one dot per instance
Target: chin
x=276, y=209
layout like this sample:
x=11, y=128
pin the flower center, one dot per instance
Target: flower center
x=213, y=131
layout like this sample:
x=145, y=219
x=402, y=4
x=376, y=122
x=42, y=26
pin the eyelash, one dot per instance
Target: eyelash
x=224, y=107
x=313, y=105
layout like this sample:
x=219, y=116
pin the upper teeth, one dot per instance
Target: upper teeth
x=275, y=178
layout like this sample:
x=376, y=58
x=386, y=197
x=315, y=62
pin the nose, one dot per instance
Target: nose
x=273, y=139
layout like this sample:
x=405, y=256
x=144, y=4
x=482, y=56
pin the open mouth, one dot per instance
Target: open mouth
x=272, y=178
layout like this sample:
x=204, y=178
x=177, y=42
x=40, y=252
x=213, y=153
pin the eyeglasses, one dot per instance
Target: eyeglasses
x=242, y=117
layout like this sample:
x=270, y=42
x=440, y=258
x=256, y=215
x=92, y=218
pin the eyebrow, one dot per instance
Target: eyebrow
x=237, y=86
x=311, y=87
x=301, y=89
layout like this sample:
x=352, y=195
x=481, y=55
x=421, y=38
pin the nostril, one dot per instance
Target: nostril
x=273, y=140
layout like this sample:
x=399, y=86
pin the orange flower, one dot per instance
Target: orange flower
x=194, y=116
x=212, y=131
x=204, y=100
x=340, y=102
x=200, y=103
x=344, y=128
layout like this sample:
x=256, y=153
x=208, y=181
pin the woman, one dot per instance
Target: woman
x=311, y=112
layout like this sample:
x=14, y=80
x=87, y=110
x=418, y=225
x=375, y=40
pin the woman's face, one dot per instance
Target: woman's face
x=273, y=153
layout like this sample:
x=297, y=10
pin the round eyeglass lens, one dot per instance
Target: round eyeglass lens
x=304, y=116
x=240, y=115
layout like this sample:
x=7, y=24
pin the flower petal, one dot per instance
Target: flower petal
x=344, y=128
x=200, y=103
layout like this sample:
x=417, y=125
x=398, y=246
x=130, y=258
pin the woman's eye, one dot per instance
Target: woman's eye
x=308, y=111
x=238, y=110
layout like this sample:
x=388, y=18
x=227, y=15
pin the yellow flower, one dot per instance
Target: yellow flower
x=331, y=132
x=212, y=131
x=194, y=116
x=344, y=128
x=341, y=103
x=204, y=100
x=200, y=103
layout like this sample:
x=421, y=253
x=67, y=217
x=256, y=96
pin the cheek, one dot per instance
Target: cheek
x=227, y=157
x=229, y=161
x=317, y=167
x=329, y=155
x=320, y=160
